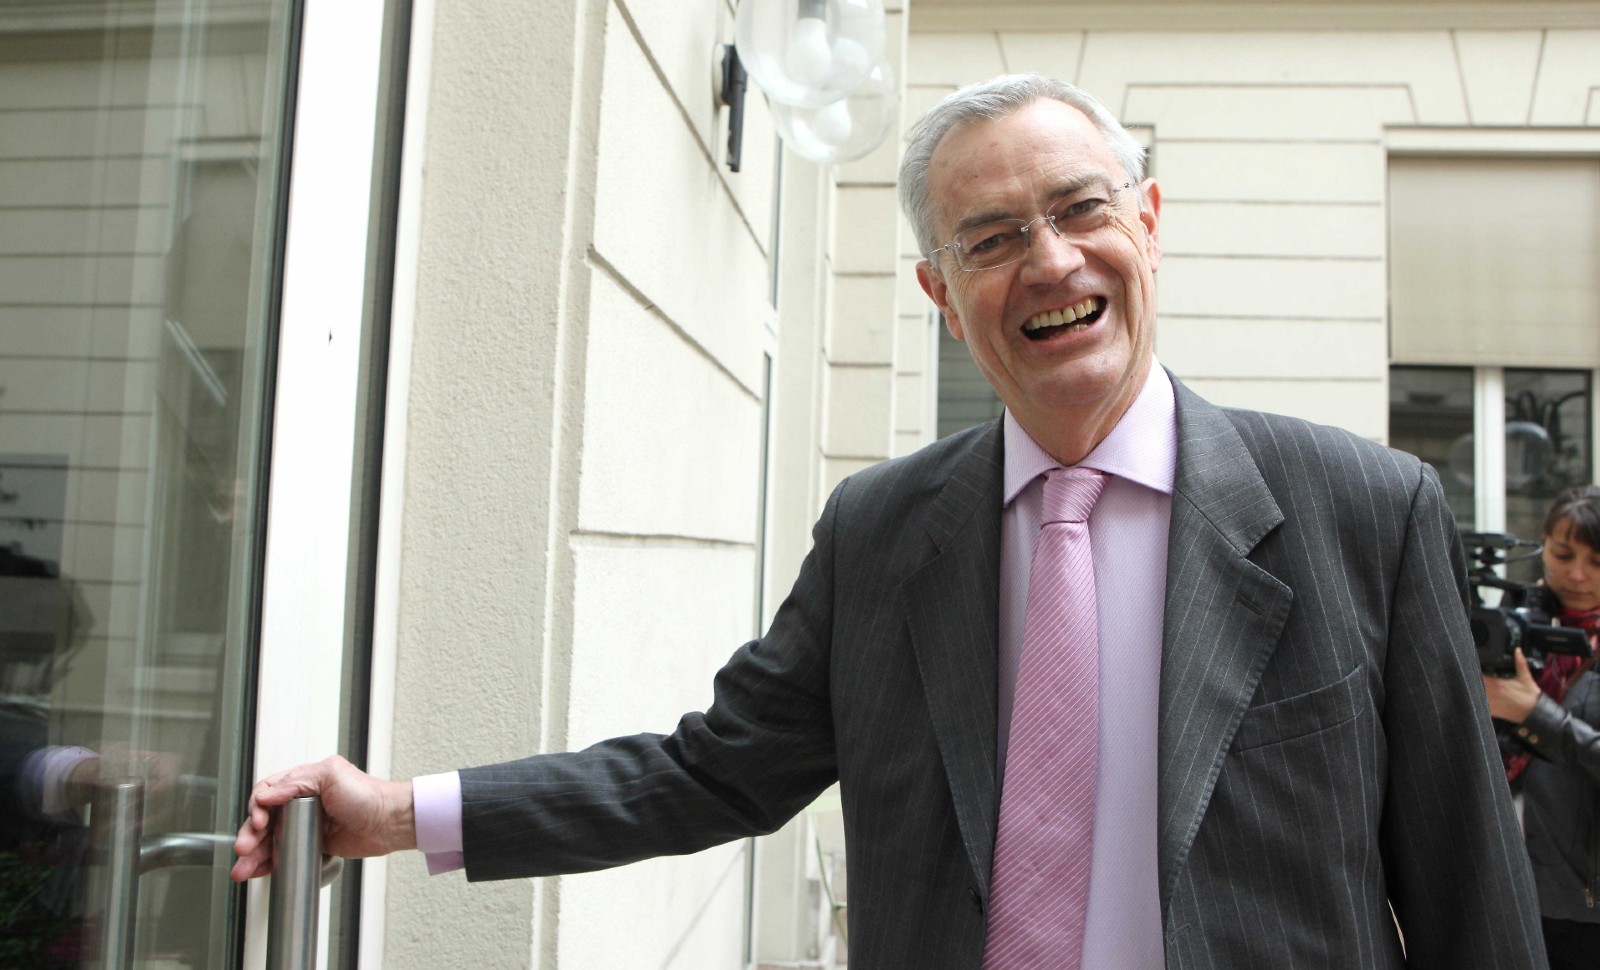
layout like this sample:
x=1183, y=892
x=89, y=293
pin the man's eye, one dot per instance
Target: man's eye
x=1082, y=208
x=986, y=239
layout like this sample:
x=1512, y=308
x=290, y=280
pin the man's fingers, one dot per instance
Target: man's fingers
x=250, y=836
x=253, y=845
x=276, y=789
x=285, y=786
x=255, y=864
x=254, y=850
x=256, y=815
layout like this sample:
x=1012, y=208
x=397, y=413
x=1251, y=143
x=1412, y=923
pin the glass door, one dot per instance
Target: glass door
x=144, y=356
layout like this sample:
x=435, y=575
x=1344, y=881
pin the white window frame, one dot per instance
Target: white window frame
x=1489, y=448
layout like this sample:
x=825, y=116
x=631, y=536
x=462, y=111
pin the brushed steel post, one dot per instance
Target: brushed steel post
x=296, y=885
x=116, y=821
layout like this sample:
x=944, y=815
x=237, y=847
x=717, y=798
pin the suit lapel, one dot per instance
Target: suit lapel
x=1223, y=617
x=951, y=606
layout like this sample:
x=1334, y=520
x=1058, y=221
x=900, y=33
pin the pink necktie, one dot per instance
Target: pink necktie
x=1039, y=891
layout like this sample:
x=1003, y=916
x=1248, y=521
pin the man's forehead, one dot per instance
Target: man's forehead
x=1042, y=149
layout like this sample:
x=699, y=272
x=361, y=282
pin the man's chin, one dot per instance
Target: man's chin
x=1093, y=384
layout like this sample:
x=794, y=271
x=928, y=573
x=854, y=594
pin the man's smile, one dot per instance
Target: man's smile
x=1070, y=319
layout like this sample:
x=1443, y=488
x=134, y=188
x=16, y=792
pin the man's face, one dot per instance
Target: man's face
x=1068, y=380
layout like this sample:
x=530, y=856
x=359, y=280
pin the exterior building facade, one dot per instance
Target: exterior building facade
x=1327, y=248
x=416, y=380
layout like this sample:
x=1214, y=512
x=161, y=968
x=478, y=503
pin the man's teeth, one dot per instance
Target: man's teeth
x=1056, y=318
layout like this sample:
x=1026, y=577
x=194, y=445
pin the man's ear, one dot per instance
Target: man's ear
x=933, y=284
x=1150, y=215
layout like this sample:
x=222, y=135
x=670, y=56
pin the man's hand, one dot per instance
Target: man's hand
x=362, y=816
x=1512, y=698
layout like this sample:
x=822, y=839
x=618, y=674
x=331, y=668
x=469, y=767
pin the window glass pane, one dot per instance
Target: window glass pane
x=965, y=397
x=139, y=171
x=1430, y=416
x=1547, y=445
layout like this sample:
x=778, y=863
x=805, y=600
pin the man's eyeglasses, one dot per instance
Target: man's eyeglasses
x=1003, y=241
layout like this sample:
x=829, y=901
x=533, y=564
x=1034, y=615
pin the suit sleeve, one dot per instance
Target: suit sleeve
x=1457, y=871
x=761, y=752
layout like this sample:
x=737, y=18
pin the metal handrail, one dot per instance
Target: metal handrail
x=116, y=816
x=171, y=849
x=121, y=854
x=296, y=881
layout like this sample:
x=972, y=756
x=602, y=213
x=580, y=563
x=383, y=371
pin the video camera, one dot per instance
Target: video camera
x=1523, y=616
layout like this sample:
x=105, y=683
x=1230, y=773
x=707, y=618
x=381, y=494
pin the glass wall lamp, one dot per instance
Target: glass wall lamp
x=822, y=67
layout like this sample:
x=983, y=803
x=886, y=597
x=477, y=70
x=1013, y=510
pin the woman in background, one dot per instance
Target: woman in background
x=1555, y=716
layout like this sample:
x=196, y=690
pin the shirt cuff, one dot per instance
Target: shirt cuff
x=43, y=783
x=436, y=805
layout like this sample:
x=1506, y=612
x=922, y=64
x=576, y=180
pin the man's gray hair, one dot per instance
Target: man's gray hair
x=990, y=100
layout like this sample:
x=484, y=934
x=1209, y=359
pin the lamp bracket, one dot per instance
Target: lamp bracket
x=731, y=91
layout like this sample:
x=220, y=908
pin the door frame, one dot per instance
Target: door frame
x=311, y=505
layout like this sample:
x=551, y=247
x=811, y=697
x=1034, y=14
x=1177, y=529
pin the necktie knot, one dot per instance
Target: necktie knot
x=1070, y=494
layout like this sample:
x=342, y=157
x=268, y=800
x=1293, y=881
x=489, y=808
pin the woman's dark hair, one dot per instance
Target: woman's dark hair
x=1580, y=506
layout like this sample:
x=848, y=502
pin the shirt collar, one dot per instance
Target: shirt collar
x=1142, y=447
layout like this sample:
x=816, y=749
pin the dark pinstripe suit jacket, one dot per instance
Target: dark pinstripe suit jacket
x=1324, y=744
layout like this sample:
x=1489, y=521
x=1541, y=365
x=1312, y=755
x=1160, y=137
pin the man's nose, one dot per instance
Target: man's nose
x=1051, y=256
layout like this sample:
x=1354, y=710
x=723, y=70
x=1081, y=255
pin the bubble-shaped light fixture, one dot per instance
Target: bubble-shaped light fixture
x=809, y=53
x=846, y=129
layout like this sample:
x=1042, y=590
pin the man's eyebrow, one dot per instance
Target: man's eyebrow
x=1061, y=191
x=1080, y=183
x=981, y=218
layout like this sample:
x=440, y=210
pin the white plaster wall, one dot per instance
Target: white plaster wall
x=1271, y=147
x=488, y=468
x=584, y=449
x=867, y=367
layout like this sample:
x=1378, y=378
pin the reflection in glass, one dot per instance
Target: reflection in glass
x=1430, y=415
x=1547, y=414
x=139, y=164
x=1547, y=440
x=965, y=396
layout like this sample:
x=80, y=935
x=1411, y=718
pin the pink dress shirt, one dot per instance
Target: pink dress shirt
x=1128, y=530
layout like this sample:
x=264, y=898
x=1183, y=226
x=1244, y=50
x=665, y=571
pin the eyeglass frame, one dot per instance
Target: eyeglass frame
x=1026, y=229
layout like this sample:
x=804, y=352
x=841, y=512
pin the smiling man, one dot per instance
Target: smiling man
x=1122, y=680
x=1057, y=309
